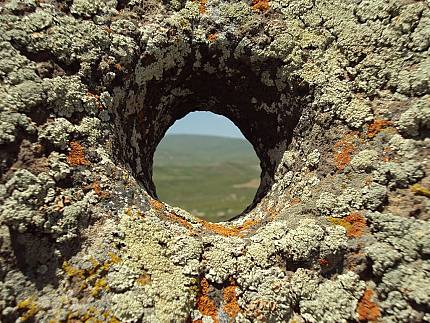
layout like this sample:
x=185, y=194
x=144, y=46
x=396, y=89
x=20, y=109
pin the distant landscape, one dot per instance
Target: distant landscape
x=214, y=178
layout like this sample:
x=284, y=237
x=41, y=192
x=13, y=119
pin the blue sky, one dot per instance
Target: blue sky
x=205, y=123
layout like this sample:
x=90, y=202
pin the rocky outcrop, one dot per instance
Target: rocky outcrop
x=334, y=96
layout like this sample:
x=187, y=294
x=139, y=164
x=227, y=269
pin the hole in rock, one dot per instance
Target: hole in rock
x=258, y=95
x=205, y=165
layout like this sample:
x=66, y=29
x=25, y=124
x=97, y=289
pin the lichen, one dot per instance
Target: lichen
x=76, y=156
x=334, y=98
x=416, y=119
x=354, y=224
x=29, y=307
x=356, y=113
x=334, y=300
x=204, y=303
x=57, y=132
x=367, y=309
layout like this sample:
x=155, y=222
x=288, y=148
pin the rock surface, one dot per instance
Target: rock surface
x=333, y=95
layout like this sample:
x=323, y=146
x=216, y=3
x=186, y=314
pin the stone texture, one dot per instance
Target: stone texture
x=334, y=97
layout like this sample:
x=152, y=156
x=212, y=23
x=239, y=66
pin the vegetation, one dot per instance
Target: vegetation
x=214, y=178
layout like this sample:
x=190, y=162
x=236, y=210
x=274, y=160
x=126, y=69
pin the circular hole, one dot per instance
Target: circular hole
x=162, y=91
x=205, y=165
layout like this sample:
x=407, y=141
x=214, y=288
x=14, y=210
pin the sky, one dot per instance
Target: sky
x=205, y=123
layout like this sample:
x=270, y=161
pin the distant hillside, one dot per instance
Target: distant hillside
x=212, y=177
x=195, y=149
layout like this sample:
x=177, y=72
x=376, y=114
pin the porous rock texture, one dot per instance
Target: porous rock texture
x=334, y=95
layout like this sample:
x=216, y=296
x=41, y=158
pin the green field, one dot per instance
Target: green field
x=214, y=178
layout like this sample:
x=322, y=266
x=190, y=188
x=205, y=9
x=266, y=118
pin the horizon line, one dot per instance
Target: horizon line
x=204, y=135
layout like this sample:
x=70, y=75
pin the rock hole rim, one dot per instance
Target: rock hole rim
x=266, y=112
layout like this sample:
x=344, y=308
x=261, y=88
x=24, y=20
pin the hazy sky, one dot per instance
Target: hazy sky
x=205, y=123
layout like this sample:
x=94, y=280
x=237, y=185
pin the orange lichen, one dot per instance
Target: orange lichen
x=157, y=205
x=376, y=126
x=387, y=153
x=343, y=150
x=134, y=215
x=205, y=305
x=420, y=190
x=231, y=306
x=355, y=224
x=247, y=224
x=97, y=99
x=213, y=227
x=367, y=310
x=260, y=5
x=213, y=37
x=272, y=212
x=176, y=218
x=72, y=271
x=171, y=216
x=343, y=157
x=202, y=5
x=358, y=225
x=98, y=190
x=295, y=201
x=76, y=156
x=227, y=231
x=60, y=202
x=109, y=317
